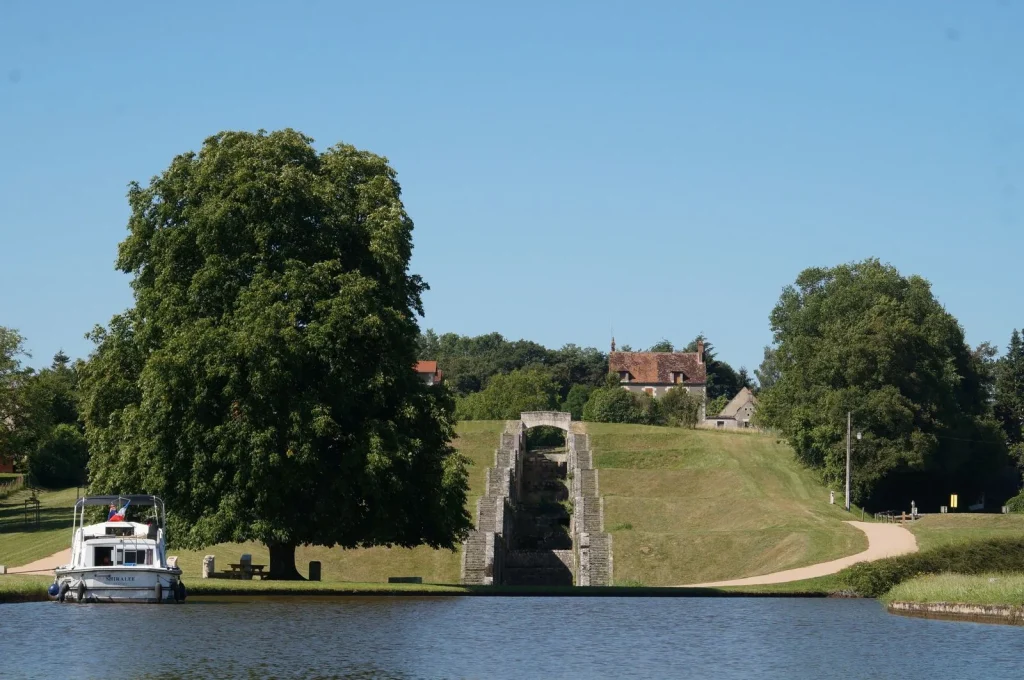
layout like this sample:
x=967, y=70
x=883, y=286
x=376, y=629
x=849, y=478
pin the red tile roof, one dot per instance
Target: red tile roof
x=658, y=367
x=426, y=367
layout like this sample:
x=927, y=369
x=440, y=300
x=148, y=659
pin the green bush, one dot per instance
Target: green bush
x=1016, y=504
x=680, y=408
x=874, y=579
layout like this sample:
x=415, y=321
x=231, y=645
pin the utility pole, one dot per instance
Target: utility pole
x=848, y=428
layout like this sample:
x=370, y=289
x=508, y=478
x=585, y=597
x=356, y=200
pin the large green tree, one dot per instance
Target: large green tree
x=263, y=382
x=507, y=395
x=50, y=434
x=1009, y=394
x=861, y=338
x=12, y=374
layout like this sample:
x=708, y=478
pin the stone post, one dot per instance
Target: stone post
x=209, y=569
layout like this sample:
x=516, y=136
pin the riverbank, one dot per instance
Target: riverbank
x=25, y=588
x=986, y=598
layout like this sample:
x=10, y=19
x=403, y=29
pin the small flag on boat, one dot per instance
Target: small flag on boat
x=113, y=511
x=119, y=515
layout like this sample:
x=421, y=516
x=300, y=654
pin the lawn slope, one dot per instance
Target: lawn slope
x=690, y=506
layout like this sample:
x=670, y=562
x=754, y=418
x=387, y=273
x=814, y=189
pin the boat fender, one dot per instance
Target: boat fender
x=53, y=590
x=63, y=593
x=159, y=593
x=179, y=592
x=81, y=591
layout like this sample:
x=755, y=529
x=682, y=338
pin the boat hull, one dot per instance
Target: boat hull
x=130, y=584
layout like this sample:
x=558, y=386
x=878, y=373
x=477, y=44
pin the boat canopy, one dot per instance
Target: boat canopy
x=137, y=501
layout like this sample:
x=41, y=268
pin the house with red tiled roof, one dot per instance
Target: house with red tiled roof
x=428, y=372
x=658, y=372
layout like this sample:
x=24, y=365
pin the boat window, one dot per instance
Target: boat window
x=102, y=556
x=134, y=557
x=121, y=531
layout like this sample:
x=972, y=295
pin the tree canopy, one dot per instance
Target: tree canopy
x=864, y=339
x=263, y=382
x=1009, y=394
x=507, y=395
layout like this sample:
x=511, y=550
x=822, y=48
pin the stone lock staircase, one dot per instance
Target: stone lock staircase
x=483, y=553
x=524, y=534
x=593, y=547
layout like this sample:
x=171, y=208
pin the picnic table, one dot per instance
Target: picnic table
x=247, y=571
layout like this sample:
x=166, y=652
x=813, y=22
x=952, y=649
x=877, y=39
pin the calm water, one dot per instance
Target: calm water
x=500, y=638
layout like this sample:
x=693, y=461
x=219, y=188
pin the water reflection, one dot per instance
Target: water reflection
x=475, y=637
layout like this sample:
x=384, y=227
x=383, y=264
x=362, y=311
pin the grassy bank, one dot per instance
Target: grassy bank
x=933, y=531
x=980, y=589
x=22, y=588
x=23, y=541
x=687, y=506
x=875, y=579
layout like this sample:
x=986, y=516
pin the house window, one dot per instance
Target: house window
x=649, y=390
x=721, y=423
x=746, y=423
x=624, y=376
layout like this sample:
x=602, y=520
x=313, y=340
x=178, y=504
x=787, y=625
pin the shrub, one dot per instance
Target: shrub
x=1016, y=504
x=874, y=579
x=680, y=408
x=611, y=405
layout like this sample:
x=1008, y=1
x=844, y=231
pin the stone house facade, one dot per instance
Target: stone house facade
x=658, y=372
x=737, y=414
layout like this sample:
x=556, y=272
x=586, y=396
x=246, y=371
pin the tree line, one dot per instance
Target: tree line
x=496, y=379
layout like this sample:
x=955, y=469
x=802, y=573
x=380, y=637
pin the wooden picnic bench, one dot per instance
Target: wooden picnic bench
x=247, y=571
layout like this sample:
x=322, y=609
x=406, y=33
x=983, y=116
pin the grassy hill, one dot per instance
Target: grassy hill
x=21, y=542
x=689, y=506
x=936, y=530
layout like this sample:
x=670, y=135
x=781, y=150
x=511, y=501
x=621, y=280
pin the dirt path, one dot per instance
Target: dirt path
x=45, y=565
x=884, y=540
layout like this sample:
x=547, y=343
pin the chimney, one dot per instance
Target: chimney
x=700, y=351
x=613, y=343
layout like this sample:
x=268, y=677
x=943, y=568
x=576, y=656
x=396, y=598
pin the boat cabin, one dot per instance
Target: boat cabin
x=117, y=544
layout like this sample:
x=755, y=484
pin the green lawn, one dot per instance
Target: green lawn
x=937, y=530
x=689, y=506
x=1004, y=589
x=477, y=440
x=21, y=543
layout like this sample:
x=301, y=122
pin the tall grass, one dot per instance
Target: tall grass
x=983, y=589
x=14, y=485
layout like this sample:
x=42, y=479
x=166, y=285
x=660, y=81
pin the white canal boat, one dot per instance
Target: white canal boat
x=118, y=560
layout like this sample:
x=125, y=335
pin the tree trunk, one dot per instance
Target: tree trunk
x=282, y=562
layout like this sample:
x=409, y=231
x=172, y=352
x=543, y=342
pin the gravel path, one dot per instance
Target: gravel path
x=45, y=565
x=884, y=540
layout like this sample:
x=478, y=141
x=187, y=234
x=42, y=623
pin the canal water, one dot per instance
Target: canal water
x=483, y=637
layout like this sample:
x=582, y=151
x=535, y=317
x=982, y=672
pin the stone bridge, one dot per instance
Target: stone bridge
x=563, y=421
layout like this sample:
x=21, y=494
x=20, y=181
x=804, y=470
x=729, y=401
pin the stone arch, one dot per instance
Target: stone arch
x=559, y=419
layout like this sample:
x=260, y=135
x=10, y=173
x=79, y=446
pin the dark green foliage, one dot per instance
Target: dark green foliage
x=1009, y=390
x=11, y=376
x=469, y=363
x=59, y=459
x=508, y=395
x=263, y=383
x=612, y=405
x=865, y=339
x=545, y=436
x=874, y=579
x=679, y=408
x=616, y=405
x=722, y=380
x=576, y=400
x=662, y=346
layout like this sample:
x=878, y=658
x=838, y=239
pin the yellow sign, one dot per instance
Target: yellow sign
x=952, y=500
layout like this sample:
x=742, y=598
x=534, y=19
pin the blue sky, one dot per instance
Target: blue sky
x=660, y=168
